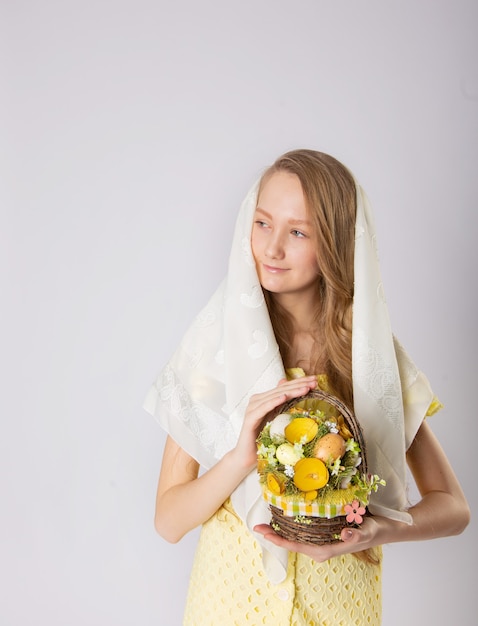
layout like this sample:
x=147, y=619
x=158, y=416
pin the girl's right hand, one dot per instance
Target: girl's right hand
x=259, y=409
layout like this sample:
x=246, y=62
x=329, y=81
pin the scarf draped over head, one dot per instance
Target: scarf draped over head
x=230, y=353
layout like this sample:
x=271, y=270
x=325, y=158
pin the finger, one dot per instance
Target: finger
x=266, y=531
x=315, y=552
x=303, y=385
x=261, y=405
x=347, y=535
x=287, y=392
x=264, y=406
x=292, y=388
x=302, y=380
x=273, y=537
x=355, y=536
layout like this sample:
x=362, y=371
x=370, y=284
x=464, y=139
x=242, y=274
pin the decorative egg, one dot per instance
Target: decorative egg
x=311, y=495
x=329, y=448
x=301, y=430
x=310, y=474
x=287, y=454
x=275, y=483
x=277, y=427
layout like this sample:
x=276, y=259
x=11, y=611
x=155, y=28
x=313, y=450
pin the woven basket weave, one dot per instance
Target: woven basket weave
x=308, y=522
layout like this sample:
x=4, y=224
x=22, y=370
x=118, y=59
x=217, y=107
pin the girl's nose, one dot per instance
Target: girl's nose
x=274, y=248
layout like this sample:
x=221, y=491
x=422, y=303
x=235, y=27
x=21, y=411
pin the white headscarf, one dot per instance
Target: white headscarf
x=230, y=352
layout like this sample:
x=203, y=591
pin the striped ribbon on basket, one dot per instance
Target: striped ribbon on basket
x=292, y=508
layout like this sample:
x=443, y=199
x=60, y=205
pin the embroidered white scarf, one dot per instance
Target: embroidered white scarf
x=230, y=353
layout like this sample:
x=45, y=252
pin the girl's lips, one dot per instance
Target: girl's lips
x=274, y=270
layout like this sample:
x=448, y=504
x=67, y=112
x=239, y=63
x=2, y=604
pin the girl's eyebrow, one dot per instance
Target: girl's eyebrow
x=265, y=213
x=291, y=222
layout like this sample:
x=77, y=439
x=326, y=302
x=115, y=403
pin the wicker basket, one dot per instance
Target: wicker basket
x=318, y=522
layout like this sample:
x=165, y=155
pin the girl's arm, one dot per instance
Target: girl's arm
x=185, y=500
x=442, y=510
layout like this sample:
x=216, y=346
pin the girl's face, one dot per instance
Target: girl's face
x=283, y=241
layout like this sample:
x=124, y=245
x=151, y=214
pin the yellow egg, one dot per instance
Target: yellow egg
x=310, y=474
x=301, y=430
x=287, y=454
x=275, y=483
x=311, y=495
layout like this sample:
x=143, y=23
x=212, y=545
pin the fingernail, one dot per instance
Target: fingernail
x=349, y=534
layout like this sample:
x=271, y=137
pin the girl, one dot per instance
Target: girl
x=301, y=307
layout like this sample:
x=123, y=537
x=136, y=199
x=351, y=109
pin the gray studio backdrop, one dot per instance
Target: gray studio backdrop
x=129, y=134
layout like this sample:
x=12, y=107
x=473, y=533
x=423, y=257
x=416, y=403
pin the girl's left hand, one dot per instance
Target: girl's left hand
x=259, y=409
x=353, y=540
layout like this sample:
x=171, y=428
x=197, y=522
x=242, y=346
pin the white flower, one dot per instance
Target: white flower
x=352, y=446
x=345, y=482
x=332, y=426
x=335, y=467
x=289, y=471
x=299, y=448
x=271, y=457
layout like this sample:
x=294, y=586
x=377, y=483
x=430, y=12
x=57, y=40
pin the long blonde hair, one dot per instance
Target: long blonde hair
x=331, y=198
x=330, y=195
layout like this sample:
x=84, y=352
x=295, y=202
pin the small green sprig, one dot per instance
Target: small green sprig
x=366, y=484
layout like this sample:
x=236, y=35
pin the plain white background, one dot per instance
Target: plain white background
x=129, y=134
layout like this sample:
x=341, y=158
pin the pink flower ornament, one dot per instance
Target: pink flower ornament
x=355, y=512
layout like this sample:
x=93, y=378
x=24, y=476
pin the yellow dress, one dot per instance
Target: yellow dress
x=228, y=586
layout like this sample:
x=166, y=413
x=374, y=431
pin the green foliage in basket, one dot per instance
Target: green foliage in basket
x=322, y=436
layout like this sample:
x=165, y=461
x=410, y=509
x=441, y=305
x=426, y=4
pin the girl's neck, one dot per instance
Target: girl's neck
x=306, y=352
x=301, y=311
x=305, y=345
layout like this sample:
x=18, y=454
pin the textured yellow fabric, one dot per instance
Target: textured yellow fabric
x=228, y=586
x=435, y=406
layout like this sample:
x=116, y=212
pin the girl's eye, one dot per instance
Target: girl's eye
x=298, y=233
x=260, y=223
